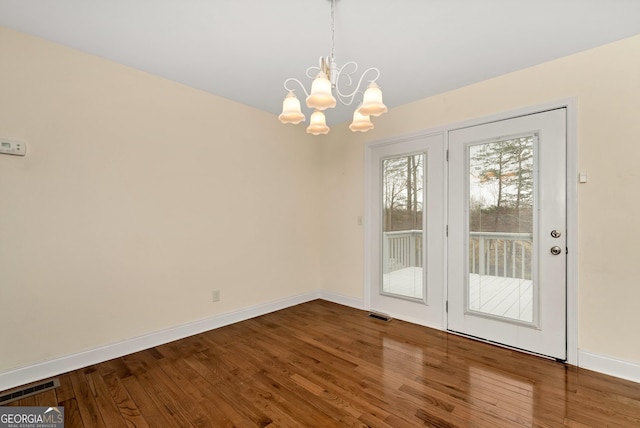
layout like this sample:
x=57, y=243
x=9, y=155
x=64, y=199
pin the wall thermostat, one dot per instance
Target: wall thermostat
x=12, y=147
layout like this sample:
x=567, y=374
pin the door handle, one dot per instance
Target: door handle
x=555, y=250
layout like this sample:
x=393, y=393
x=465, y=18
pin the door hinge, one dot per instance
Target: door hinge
x=447, y=231
x=447, y=155
x=446, y=306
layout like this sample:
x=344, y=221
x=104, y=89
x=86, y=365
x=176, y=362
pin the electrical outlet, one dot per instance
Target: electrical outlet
x=215, y=296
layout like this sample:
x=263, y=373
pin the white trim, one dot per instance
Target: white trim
x=571, y=104
x=366, y=242
x=57, y=366
x=572, y=230
x=430, y=311
x=609, y=365
x=341, y=299
x=368, y=216
x=511, y=114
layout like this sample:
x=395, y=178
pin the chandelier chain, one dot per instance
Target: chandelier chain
x=333, y=29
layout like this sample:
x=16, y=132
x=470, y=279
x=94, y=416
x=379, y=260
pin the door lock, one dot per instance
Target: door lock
x=555, y=234
x=556, y=250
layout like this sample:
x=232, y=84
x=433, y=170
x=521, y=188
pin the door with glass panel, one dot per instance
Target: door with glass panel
x=406, y=228
x=507, y=232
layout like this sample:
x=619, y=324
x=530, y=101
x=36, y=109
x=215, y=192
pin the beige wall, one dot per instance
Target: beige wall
x=606, y=82
x=137, y=198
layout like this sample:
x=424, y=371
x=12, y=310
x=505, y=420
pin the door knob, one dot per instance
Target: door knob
x=556, y=250
x=555, y=234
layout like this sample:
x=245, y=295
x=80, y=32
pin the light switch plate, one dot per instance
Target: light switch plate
x=582, y=177
x=8, y=147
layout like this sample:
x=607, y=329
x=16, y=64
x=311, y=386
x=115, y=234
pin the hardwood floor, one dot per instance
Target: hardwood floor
x=325, y=365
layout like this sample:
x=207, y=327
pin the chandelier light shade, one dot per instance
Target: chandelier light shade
x=321, y=97
x=361, y=123
x=330, y=85
x=318, y=124
x=372, y=103
x=291, y=112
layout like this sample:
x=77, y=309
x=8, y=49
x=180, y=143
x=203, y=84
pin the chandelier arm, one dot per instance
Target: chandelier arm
x=323, y=66
x=347, y=98
x=312, y=72
x=293, y=79
x=344, y=74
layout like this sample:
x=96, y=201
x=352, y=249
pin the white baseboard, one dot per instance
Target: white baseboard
x=341, y=299
x=609, y=365
x=57, y=366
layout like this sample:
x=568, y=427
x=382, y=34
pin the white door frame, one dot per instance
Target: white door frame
x=572, y=206
x=430, y=311
x=545, y=332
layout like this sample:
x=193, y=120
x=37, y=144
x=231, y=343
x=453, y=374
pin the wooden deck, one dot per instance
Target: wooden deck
x=505, y=297
x=494, y=295
x=406, y=282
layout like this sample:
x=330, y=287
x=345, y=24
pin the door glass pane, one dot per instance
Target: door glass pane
x=402, y=240
x=501, y=201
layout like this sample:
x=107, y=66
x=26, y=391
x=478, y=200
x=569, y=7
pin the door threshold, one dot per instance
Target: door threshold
x=502, y=345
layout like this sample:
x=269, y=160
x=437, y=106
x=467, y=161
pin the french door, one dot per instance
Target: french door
x=475, y=244
x=507, y=232
x=407, y=231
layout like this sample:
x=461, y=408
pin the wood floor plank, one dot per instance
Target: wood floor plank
x=72, y=416
x=217, y=404
x=123, y=402
x=152, y=407
x=243, y=417
x=47, y=399
x=89, y=409
x=109, y=409
x=161, y=385
x=65, y=391
x=320, y=364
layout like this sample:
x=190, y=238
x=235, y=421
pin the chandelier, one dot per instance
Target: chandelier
x=329, y=79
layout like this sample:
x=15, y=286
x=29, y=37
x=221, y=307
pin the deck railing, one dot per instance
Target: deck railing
x=401, y=249
x=490, y=253
x=500, y=254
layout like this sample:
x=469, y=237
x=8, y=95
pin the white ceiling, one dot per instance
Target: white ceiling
x=243, y=50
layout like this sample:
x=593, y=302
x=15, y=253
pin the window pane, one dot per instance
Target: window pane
x=402, y=208
x=500, y=281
